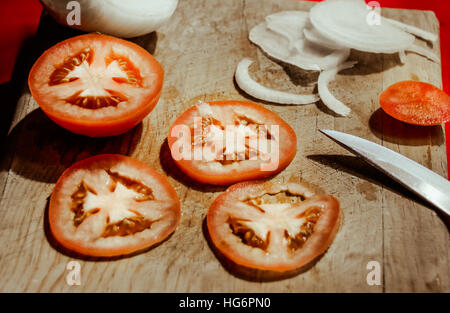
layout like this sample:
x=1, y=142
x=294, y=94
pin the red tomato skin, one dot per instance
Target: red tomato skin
x=104, y=127
x=416, y=103
x=55, y=227
x=189, y=168
x=323, y=242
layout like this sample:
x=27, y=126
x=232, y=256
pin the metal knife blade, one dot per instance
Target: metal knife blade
x=417, y=178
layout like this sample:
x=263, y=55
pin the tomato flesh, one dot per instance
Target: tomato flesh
x=111, y=205
x=240, y=162
x=96, y=85
x=416, y=103
x=275, y=227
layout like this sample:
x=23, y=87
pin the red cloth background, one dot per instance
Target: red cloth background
x=19, y=19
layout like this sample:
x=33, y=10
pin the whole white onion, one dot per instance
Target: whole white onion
x=122, y=18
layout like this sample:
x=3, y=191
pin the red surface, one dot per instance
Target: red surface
x=19, y=19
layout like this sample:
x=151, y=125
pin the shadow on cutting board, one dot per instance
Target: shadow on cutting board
x=171, y=169
x=359, y=168
x=18, y=84
x=47, y=34
x=50, y=33
x=389, y=129
x=42, y=150
x=371, y=63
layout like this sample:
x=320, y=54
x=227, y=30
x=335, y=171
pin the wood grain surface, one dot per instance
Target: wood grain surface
x=199, y=49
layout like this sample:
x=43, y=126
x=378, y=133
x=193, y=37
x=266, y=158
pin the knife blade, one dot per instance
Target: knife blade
x=425, y=183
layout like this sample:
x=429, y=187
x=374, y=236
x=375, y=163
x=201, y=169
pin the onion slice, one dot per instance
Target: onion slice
x=424, y=52
x=288, y=24
x=254, y=89
x=312, y=35
x=402, y=56
x=122, y=18
x=418, y=32
x=327, y=98
x=281, y=37
x=345, y=22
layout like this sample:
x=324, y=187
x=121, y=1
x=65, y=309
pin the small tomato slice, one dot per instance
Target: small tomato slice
x=224, y=142
x=416, y=103
x=110, y=205
x=275, y=227
x=96, y=85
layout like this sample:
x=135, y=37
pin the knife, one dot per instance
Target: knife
x=425, y=183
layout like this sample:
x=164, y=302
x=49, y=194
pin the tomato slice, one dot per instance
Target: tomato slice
x=111, y=205
x=416, y=103
x=275, y=227
x=266, y=146
x=96, y=85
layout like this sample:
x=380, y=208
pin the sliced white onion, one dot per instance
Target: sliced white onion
x=402, y=56
x=281, y=37
x=327, y=98
x=424, y=52
x=418, y=32
x=123, y=18
x=312, y=35
x=346, y=22
x=254, y=89
x=288, y=24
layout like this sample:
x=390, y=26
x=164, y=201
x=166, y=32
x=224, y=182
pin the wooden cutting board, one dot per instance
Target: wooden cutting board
x=199, y=50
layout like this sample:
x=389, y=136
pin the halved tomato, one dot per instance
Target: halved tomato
x=111, y=205
x=224, y=142
x=96, y=85
x=416, y=103
x=274, y=227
